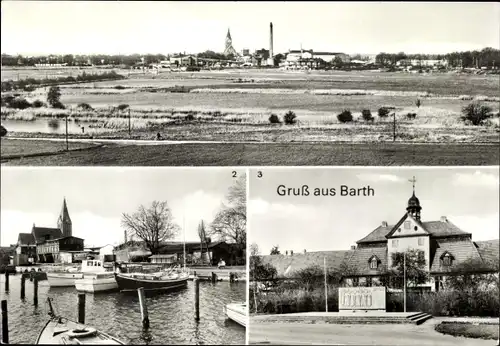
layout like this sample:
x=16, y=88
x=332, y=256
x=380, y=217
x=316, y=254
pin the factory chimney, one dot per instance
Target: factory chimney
x=271, y=40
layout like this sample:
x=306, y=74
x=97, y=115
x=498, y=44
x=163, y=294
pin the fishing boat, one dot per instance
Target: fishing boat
x=63, y=279
x=237, y=312
x=161, y=281
x=96, y=277
x=60, y=330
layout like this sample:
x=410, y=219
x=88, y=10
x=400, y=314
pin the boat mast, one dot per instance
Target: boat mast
x=184, y=242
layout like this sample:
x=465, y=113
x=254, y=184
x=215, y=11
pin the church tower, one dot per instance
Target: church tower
x=64, y=221
x=229, y=50
x=414, y=207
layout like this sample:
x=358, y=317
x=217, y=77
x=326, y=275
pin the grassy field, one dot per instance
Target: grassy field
x=278, y=154
x=15, y=148
x=481, y=331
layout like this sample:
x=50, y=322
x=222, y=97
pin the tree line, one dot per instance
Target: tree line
x=488, y=57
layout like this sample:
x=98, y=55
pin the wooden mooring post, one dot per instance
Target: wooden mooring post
x=23, y=285
x=81, y=308
x=144, y=308
x=35, y=290
x=214, y=277
x=196, y=299
x=5, y=323
x=6, y=281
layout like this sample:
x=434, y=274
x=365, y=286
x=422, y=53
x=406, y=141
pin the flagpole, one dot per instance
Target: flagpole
x=404, y=280
x=184, y=242
x=326, y=286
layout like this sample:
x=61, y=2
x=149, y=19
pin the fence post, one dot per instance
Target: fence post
x=129, y=125
x=394, y=128
x=81, y=308
x=6, y=280
x=144, y=308
x=23, y=285
x=35, y=290
x=196, y=299
x=5, y=323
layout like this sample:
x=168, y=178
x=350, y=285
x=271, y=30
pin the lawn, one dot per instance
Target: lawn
x=15, y=148
x=469, y=330
x=274, y=154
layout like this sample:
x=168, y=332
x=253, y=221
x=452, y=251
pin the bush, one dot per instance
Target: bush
x=19, y=103
x=85, y=106
x=367, y=115
x=418, y=103
x=476, y=113
x=38, y=104
x=54, y=96
x=383, y=112
x=411, y=116
x=58, y=105
x=7, y=99
x=290, y=118
x=119, y=87
x=274, y=119
x=3, y=131
x=190, y=117
x=122, y=107
x=29, y=88
x=345, y=116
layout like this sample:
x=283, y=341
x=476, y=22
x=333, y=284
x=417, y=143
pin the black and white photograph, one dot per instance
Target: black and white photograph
x=181, y=83
x=374, y=256
x=123, y=256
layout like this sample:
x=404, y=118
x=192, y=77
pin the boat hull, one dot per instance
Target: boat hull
x=59, y=330
x=131, y=282
x=96, y=283
x=238, y=313
x=63, y=279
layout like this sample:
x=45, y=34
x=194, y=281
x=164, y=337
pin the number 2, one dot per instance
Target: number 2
x=234, y=174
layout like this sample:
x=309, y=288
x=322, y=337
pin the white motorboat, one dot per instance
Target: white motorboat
x=63, y=279
x=96, y=278
x=238, y=312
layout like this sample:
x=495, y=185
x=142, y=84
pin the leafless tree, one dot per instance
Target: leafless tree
x=153, y=225
x=230, y=222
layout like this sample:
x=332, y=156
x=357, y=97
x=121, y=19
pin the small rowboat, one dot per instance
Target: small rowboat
x=151, y=282
x=237, y=312
x=60, y=330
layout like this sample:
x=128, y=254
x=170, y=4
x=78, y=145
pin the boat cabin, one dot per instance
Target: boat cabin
x=93, y=266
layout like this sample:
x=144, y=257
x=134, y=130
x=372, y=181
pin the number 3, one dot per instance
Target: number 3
x=259, y=174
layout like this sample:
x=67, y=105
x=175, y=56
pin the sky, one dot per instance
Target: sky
x=468, y=197
x=113, y=27
x=96, y=198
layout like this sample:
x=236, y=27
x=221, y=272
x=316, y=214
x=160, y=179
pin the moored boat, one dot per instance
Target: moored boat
x=60, y=330
x=155, y=281
x=237, y=312
x=96, y=278
x=63, y=279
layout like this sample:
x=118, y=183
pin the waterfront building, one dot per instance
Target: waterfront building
x=49, y=244
x=442, y=244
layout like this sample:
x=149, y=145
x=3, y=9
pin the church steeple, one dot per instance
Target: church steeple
x=414, y=207
x=64, y=222
x=229, y=49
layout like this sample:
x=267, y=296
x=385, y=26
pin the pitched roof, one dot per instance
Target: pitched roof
x=461, y=250
x=42, y=233
x=435, y=228
x=64, y=212
x=25, y=239
x=287, y=265
x=359, y=261
x=488, y=250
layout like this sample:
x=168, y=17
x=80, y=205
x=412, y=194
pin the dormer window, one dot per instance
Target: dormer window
x=415, y=228
x=407, y=224
x=373, y=262
x=447, y=259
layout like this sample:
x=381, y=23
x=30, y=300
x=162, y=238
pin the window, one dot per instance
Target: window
x=373, y=263
x=415, y=228
x=355, y=282
x=407, y=224
x=369, y=282
x=447, y=260
x=394, y=243
x=420, y=241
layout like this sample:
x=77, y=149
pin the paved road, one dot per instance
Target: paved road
x=356, y=334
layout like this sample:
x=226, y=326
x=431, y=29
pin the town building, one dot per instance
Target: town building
x=49, y=244
x=442, y=244
x=309, y=58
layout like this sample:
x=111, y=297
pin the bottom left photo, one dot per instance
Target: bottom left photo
x=123, y=255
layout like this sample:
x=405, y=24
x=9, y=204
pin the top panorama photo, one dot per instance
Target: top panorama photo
x=250, y=84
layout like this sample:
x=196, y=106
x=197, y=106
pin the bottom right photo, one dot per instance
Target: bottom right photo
x=374, y=256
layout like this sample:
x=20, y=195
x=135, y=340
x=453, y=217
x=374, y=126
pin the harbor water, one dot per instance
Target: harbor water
x=171, y=314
